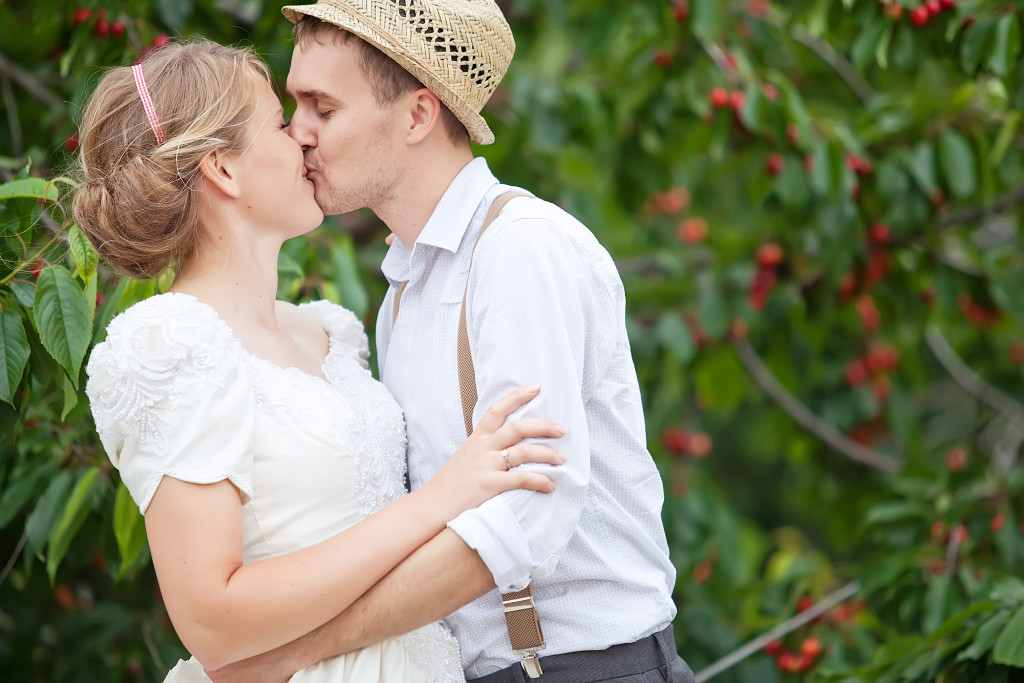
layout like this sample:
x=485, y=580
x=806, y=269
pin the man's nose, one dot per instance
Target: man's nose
x=301, y=131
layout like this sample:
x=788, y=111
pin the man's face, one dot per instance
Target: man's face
x=348, y=140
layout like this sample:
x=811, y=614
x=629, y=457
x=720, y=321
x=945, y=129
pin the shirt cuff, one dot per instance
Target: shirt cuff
x=494, y=533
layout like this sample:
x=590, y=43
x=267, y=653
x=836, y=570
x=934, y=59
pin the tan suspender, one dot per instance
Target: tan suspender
x=524, y=632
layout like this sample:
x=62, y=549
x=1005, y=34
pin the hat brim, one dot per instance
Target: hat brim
x=354, y=23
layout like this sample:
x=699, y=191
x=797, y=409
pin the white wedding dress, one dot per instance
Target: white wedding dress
x=174, y=393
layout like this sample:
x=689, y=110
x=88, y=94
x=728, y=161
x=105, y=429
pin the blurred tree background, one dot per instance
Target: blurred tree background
x=815, y=207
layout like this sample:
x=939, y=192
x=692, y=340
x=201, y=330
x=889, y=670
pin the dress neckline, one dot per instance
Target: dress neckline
x=291, y=370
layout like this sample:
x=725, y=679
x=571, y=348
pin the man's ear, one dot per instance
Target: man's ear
x=424, y=110
x=219, y=171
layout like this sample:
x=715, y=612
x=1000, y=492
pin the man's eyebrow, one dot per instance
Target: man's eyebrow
x=313, y=95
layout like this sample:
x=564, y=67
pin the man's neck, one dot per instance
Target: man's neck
x=421, y=190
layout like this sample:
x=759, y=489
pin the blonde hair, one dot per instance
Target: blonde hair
x=138, y=200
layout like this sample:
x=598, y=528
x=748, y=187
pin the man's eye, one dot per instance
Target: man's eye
x=325, y=114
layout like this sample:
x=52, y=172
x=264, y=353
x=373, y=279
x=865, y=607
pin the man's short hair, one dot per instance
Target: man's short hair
x=387, y=78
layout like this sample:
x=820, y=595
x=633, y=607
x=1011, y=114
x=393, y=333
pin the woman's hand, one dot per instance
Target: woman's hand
x=485, y=465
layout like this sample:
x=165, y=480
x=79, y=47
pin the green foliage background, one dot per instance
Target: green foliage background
x=824, y=277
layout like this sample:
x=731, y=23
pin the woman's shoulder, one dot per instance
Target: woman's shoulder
x=164, y=333
x=342, y=326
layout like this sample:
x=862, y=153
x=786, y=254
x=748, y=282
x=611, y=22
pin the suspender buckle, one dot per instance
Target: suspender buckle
x=531, y=664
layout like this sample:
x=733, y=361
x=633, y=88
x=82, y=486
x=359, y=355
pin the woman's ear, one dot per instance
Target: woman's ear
x=424, y=115
x=219, y=171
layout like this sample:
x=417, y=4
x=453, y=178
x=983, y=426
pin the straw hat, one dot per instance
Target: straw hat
x=459, y=49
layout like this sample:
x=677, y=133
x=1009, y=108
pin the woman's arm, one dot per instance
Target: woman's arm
x=225, y=611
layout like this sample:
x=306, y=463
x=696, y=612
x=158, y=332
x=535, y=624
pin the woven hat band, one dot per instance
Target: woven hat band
x=460, y=49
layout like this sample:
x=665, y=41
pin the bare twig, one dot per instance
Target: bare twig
x=14, y=558
x=835, y=59
x=788, y=626
x=975, y=213
x=30, y=83
x=764, y=378
x=12, y=115
x=717, y=55
x=971, y=381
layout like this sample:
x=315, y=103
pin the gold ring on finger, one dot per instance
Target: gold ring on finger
x=504, y=454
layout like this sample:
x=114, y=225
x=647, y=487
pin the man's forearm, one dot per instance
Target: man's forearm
x=440, y=577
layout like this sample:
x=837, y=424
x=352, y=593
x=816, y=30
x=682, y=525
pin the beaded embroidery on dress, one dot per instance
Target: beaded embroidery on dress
x=171, y=372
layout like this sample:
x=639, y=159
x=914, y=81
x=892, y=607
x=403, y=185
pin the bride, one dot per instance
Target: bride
x=268, y=463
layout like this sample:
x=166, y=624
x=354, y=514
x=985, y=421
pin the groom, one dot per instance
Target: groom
x=388, y=95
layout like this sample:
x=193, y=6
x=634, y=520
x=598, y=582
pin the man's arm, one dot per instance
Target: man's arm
x=439, y=578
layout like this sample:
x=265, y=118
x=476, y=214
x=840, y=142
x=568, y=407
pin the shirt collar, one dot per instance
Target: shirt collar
x=449, y=221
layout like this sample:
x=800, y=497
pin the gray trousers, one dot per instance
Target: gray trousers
x=649, y=660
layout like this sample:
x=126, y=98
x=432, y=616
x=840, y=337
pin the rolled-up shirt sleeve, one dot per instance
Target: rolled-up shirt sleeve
x=530, y=301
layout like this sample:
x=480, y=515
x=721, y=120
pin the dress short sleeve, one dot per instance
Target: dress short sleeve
x=171, y=396
x=343, y=328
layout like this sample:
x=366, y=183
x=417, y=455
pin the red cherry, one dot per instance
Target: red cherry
x=881, y=387
x=662, y=59
x=101, y=28
x=161, y=40
x=855, y=373
x=960, y=534
x=692, y=230
x=80, y=16
x=1017, y=353
x=919, y=15
x=757, y=8
x=676, y=440
x=770, y=91
x=71, y=144
x=774, y=163
x=64, y=598
x=997, y=523
x=809, y=162
x=938, y=531
x=702, y=572
x=737, y=98
x=869, y=315
x=893, y=10
x=37, y=269
x=880, y=233
x=933, y=6
x=805, y=603
x=770, y=255
x=719, y=97
x=774, y=647
x=681, y=11
x=700, y=444
x=956, y=459
x=948, y=4
x=117, y=29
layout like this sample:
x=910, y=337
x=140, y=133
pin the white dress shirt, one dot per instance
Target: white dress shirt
x=546, y=305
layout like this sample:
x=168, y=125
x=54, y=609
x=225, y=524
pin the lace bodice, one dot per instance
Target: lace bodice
x=174, y=393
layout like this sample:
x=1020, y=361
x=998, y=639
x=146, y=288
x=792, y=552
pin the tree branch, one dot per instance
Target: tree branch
x=788, y=626
x=833, y=58
x=975, y=213
x=971, y=381
x=30, y=83
x=764, y=378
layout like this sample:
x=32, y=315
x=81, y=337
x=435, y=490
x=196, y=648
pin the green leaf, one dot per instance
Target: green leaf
x=63, y=317
x=173, y=13
x=129, y=529
x=346, y=276
x=24, y=292
x=1009, y=649
x=1006, y=135
x=866, y=45
x=16, y=494
x=957, y=161
x=1006, y=45
x=77, y=508
x=672, y=332
x=31, y=188
x=14, y=351
x=920, y=161
x=70, y=398
x=39, y=522
x=936, y=603
x=975, y=41
x=985, y=637
x=720, y=382
x=707, y=19
x=85, y=256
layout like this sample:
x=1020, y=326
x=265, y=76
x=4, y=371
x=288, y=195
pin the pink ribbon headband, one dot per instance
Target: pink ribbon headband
x=147, y=103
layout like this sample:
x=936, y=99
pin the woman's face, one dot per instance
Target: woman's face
x=274, y=190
